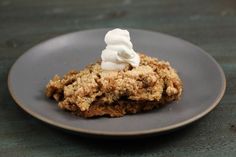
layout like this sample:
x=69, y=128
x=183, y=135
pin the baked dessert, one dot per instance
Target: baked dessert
x=139, y=83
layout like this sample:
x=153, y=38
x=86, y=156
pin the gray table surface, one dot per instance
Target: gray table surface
x=211, y=24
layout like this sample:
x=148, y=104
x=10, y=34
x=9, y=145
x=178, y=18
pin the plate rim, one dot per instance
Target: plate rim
x=121, y=133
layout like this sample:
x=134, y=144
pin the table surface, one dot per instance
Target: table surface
x=207, y=23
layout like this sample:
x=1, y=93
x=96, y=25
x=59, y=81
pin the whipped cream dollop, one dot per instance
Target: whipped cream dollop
x=119, y=51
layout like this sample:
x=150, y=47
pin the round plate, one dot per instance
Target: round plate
x=203, y=80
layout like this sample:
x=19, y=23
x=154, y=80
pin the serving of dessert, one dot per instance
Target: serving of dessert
x=122, y=82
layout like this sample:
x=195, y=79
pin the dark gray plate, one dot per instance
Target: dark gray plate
x=203, y=79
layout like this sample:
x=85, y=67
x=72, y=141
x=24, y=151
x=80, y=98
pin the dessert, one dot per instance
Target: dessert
x=123, y=82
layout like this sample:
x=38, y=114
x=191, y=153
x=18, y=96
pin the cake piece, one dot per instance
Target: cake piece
x=122, y=82
x=93, y=92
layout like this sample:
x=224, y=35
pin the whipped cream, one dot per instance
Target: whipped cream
x=119, y=51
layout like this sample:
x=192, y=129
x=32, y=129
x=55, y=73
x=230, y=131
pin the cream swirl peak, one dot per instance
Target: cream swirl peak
x=119, y=51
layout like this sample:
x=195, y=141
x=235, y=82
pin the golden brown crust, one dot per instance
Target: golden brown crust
x=88, y=91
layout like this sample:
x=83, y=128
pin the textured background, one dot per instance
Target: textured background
x=211, y=24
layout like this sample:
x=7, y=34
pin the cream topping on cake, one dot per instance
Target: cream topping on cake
x=119, y=51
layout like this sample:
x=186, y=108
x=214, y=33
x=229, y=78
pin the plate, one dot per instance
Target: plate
x=203, y=79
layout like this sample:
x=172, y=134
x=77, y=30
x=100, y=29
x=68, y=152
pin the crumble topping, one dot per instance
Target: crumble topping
x=153, y=81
